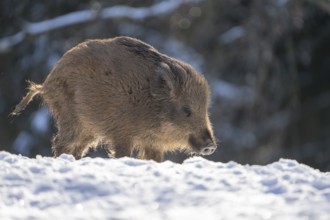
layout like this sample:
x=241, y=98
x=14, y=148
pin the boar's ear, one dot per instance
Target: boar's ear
x=164, y=82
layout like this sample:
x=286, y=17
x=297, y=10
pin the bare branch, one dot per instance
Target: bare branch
x=8, y=42
x=79, y=17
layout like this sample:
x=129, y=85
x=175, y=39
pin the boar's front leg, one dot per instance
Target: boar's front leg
x=151, y=154
x=122, y=149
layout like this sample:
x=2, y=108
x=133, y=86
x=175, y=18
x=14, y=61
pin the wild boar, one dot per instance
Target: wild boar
x=123, y=93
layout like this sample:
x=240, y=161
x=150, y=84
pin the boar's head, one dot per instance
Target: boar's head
x=185, y=97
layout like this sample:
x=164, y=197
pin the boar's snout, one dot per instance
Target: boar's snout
x=204, y=145
x=208, y=150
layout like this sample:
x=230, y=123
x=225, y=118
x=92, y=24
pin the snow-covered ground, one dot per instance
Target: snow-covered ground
x=127, y=188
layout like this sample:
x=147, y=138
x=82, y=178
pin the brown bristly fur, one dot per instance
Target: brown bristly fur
x=124, y=93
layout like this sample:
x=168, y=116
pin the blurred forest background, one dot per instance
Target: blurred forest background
x=267, y=61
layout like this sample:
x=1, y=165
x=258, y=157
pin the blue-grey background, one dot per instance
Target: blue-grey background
x=268, y=64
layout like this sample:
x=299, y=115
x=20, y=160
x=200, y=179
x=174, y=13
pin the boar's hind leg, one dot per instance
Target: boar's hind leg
x=60, y=145
x=151, y=154
x=69, y=141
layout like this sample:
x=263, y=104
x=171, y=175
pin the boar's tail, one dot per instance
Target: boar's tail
x=34, y=89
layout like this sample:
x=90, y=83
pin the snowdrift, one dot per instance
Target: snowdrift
x=127, y=188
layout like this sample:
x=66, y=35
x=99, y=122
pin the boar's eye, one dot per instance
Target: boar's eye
x=186, y=110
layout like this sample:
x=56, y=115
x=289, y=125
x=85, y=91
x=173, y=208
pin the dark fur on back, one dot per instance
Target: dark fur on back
x=140, y=48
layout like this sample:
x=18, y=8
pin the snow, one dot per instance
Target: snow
x=128, y=188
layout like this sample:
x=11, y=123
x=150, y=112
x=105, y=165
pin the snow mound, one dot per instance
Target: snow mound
x=127, y=188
